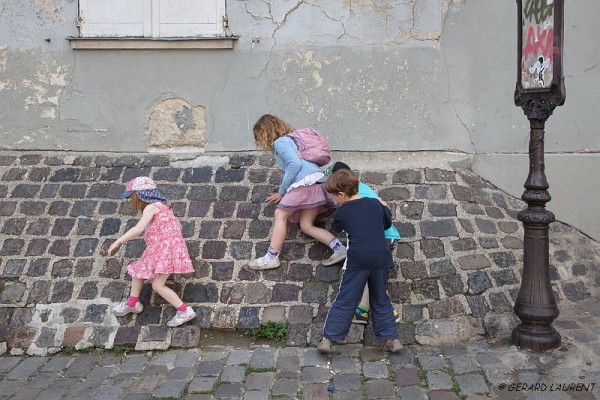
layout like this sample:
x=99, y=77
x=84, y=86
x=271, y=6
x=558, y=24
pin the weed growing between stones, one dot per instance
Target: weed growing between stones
x=250, y=370
x=116, y=350
x=507, y=341
x=271, y=331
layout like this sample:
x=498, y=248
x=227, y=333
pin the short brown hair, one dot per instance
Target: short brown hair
x=344, y=181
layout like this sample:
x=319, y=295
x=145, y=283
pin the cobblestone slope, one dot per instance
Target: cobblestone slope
x=458, y=264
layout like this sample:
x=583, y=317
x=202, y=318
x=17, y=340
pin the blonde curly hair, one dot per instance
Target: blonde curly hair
x=269, y=128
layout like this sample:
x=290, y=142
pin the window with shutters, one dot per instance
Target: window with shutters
x=152, y=19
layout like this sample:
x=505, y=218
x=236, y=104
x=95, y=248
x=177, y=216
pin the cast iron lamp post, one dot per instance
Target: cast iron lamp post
x=540, y=88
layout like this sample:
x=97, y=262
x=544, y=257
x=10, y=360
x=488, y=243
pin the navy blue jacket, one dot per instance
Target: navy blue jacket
x=365, y=220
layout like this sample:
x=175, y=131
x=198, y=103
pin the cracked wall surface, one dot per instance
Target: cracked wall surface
x=406, y=74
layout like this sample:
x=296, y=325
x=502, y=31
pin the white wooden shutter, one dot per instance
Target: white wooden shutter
x=151, y=18
x=115, y=18
x=181, y=18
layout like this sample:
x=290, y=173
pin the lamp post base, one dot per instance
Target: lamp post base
x=537, y=338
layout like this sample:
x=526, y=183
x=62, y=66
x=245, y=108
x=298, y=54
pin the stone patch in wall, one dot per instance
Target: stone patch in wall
x=176, y=123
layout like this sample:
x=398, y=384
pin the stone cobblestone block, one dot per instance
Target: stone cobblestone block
x=14, y=226
x=100, y=335
x=439, y=175
x=12, y=293
x=285, y=293
x=407, y=176
x=7, y=208
x=95, y=313
x=445, y=308
x=37, y=247
x=472, y=262
x=437, y=380
x=59, y=208
x=127, y=335
x=394, y=194
x=46, y=337
x=39, y=227
x=504, y=277
x=234, y=229
x=488, y=242
x=25, y=191
x=471, y=384
x=380, y=389
x=478, y=282
x=299, y=272
x=575, y=291
x=21, y=337
x=257, y=293
x=186, y=336
x=441, y=268
x=233, y=294
x=494, y=212
x=452, y=285
x=262, y=358
x=229, y=175
x=12, y=247
x=442, y=210
x=315, y=293
x=486, y=226
x=60, y=248
x=248, y=318
x=426, y=288
x=412, y=209
x=224, y=319
x=466, y=244
x=13, y=268
x=500, y=303
x=440, y=228
x=511, y=242
x=300, y=315
x=400, y=292
x=478, y=306
x=88, y=291
x=413, y=270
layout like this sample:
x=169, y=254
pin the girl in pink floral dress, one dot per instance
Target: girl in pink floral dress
x=165, y=254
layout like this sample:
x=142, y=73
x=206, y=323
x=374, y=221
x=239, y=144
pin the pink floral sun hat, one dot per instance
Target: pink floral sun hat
x=145, y=189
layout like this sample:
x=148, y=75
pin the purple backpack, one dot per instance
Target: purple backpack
x=312, y=146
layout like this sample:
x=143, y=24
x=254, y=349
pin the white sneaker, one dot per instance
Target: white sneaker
x=123, y=309
x=336, y=257
x=262, y=263
x=182, y=317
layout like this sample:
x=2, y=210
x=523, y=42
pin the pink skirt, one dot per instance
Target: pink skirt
x=306, y=197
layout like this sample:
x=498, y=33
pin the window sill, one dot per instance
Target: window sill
x=131, y=43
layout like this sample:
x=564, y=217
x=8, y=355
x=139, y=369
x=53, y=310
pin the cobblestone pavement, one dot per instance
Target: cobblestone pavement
x=490, y=368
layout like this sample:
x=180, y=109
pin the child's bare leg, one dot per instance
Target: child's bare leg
x=160, y=287
x=271, y=259
x=136, y=287
x=280, y=219
x=307, y=225
x=365, y=298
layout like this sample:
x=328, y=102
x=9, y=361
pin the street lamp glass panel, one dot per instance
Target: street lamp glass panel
x=537, y=40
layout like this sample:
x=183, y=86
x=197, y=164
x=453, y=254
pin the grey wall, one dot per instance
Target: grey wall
x=371, y=74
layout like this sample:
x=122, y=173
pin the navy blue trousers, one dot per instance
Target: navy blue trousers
x=339, y=317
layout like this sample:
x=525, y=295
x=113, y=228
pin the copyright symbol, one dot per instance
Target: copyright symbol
x=502, y=386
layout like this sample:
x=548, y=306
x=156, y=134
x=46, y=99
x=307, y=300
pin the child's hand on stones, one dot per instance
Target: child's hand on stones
x=113, y=248
x=274, y=198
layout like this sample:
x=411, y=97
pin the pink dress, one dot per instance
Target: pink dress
x=166, y=252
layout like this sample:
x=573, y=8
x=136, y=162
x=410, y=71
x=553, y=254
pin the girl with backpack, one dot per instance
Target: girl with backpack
x=300, y=198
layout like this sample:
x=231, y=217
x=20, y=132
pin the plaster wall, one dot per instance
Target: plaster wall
x=434, y=75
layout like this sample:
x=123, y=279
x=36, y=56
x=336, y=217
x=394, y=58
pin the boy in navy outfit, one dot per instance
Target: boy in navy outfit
x=369, y=261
